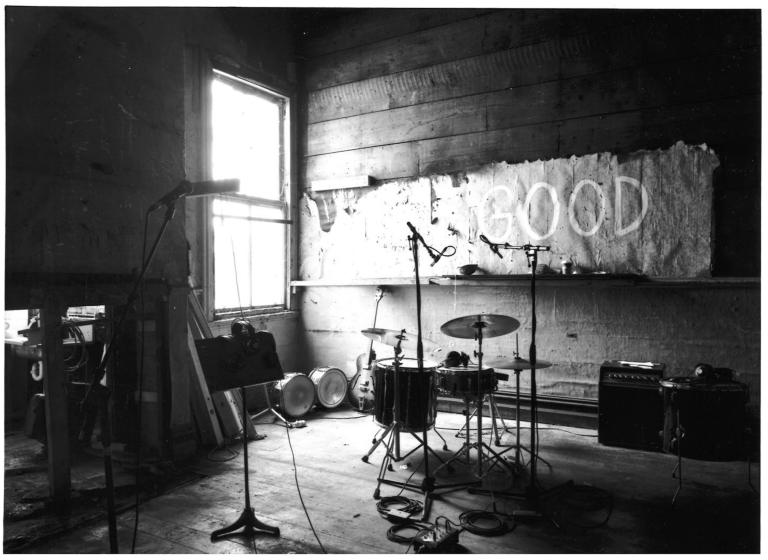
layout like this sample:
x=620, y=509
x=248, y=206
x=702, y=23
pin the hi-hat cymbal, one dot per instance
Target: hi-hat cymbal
x=491, y=325
x=516, y=363
x=408, y=341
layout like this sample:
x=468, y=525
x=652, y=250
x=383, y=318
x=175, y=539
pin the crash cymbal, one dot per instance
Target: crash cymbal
x=516, y=363
x=492, y=325
x=408, y=341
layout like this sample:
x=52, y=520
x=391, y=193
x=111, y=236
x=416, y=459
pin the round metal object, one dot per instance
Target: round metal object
x=330, y=386
x=470, y=325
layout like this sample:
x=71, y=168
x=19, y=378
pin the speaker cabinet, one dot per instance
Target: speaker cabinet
x=631, y=406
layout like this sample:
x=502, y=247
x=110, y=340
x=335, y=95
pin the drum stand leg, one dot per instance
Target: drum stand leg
x=483, y=449
x=395, y=430
x=269, y=408
x=517, y=446
x=247, y=520
x=678, y=470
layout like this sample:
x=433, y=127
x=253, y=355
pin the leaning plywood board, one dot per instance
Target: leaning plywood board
x=229, y=407
x=202, y=405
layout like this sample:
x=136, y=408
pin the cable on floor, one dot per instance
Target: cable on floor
x=298, y=490
x=485, y=523
x=387, y=508
x=396, y=532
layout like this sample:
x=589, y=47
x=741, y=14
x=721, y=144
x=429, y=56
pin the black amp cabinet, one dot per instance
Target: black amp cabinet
x=631, y=407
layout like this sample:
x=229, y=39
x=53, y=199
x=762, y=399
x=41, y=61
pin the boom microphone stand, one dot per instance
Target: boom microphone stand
x=428, y=483
x=96, y=401
x=531, y=253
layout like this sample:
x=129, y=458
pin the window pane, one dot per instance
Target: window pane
x=249, y=263
x=246, y=129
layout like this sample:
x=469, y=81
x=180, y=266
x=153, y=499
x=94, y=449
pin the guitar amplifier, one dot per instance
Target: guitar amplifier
x=630, y=404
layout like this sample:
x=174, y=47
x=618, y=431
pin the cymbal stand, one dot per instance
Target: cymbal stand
x=517, y=445
x=482, y=447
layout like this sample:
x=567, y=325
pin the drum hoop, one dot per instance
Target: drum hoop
x=428, y=365
x=462, y=370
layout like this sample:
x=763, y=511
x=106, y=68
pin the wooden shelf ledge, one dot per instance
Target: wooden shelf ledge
x=560, y=280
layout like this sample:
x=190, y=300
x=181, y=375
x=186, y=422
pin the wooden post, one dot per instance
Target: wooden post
x=56, y=405
x=182, y=430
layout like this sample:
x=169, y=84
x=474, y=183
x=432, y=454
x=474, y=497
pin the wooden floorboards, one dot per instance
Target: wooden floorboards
x=717, y=511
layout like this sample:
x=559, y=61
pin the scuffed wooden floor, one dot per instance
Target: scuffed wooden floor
x=716, y=512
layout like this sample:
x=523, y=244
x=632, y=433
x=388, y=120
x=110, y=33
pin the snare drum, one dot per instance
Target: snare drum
x=465, y=381
x=331, y=386
x=294, y=395
x=711, y=416
x=415, y=394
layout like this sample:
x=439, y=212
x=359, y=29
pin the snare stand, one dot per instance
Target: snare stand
x=480, y=445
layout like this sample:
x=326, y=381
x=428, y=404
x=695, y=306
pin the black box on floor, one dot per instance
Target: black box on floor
x=630, y=404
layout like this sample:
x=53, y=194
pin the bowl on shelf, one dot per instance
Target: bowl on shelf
x=468, y=269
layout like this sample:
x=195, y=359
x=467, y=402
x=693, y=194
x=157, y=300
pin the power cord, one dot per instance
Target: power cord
x=140, y=388
x=298, y=488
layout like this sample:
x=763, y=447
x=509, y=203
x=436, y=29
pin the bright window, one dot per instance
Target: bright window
x=249, y=141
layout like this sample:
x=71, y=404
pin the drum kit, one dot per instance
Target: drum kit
x=405, y=397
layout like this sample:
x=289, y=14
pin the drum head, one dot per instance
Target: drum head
x=296, y=394
x=331, y=385
x=406, y=364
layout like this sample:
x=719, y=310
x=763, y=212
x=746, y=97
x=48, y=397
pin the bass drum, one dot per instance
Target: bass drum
x=331, y=386
x=294, y=395
x=710, y=415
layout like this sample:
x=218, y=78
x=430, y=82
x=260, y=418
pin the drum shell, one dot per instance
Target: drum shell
x=712, y=416
x=338, y=384
x=460, y=381
x=294, y=395
x=416, y=394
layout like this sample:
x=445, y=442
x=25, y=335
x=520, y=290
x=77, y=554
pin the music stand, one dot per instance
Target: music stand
x=247, y=520
x=245, y=359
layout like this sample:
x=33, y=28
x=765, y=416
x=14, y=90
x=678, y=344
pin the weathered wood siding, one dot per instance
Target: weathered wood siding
x=407, y=93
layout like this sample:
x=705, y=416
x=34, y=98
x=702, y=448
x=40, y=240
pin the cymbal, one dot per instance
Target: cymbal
x=492, y=325
x=408, y=341
x=516, y=363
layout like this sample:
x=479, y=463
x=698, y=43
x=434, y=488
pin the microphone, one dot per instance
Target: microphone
x=494, y=247
x=200, y=188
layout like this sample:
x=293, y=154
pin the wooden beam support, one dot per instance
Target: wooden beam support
x=56, y=406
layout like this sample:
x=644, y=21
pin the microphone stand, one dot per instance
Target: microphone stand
x=97, y=399
x=428, y=483
x=531, y=253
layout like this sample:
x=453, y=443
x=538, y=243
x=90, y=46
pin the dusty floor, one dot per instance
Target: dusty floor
x=620, y=500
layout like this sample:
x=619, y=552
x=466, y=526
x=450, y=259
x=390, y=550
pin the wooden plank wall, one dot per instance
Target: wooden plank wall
x=396, y=93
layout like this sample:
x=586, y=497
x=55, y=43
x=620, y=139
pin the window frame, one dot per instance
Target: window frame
x=285, y=202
